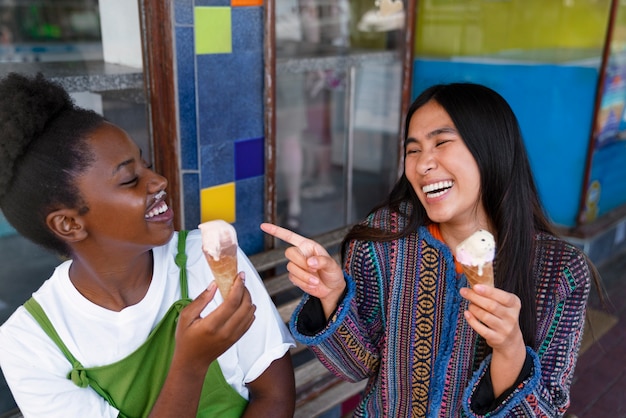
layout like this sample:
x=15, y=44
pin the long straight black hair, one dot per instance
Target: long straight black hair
x=489, y=128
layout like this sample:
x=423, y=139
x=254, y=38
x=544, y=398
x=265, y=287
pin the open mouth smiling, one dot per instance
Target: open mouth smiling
x=158, y=206
x=437, y=189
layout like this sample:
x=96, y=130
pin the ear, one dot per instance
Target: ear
x=67, y=225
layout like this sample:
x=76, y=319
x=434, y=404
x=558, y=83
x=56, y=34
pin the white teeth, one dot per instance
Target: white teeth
x=162, y=207
x=440, y=186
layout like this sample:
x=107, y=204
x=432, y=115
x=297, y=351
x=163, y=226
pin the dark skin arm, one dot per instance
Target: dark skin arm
x=199, y=342
x=273, y=394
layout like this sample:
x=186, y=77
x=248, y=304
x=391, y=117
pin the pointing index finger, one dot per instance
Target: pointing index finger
x=281, y=233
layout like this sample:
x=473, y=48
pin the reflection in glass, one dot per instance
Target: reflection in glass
x=48, y=31
x=337, y=101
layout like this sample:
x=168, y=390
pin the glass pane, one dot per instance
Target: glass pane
x=45, y=31
x=338, y=84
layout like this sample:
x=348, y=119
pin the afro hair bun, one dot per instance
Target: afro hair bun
x=27, y=105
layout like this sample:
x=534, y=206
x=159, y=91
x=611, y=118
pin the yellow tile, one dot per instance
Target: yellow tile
x=212, y=27
x=218, y=202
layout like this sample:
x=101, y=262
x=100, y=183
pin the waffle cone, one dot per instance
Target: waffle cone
x=224, y=284
x=224, y=270
x=471, y=272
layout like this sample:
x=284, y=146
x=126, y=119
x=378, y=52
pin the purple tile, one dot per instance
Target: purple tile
x=249, y=158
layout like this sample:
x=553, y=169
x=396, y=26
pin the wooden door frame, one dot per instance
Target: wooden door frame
x=156, y=19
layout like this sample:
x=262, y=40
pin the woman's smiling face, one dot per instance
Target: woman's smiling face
x=441, y=169
x=119, y=188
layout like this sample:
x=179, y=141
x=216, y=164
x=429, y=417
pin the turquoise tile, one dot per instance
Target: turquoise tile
x=5, y=228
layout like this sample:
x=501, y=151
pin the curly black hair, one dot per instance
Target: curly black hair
x=43, y=147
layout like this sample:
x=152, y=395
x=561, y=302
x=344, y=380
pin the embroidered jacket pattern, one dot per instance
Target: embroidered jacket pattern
x=401, y=326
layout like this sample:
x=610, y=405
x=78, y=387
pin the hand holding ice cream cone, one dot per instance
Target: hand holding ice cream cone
x=219, y=244
x=476, y=255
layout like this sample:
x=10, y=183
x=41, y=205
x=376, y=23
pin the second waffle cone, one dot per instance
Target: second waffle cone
x=471, y=272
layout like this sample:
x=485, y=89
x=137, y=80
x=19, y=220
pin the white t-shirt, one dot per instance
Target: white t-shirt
x=36, y=369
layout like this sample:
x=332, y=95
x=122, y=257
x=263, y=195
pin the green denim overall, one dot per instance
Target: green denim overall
x=132, y=385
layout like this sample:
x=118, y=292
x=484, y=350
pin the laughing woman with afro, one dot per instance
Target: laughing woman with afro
x=130, y=325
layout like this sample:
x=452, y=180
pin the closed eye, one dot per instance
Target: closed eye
x=130, y=182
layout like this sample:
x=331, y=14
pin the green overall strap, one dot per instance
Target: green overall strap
x=133, y=384
x=77, y=374
x=181, y=262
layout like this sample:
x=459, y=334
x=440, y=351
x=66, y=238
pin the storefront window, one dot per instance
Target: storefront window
x=338, y=84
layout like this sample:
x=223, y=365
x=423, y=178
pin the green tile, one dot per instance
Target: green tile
x=213, y=30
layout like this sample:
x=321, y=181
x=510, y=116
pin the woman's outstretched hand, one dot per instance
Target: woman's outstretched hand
x=310, y=267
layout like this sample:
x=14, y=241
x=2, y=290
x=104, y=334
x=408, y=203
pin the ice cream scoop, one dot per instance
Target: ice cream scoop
x=476, y=255
x=219, y=244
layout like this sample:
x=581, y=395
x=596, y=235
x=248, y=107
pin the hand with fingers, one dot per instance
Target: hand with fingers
x=199, y=340
x=494, y=314
x=311, y=268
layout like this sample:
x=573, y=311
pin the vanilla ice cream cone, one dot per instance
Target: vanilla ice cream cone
x=219, y=244
x=476, y=255
x=479, y=275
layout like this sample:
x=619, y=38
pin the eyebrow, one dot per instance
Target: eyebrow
x=444, y=130
x=126, y=163
x=431, y=134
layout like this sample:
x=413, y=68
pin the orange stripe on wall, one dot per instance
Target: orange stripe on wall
x=240, y=3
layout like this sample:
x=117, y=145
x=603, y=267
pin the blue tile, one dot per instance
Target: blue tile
x=183, y=12
x=230, y=96
x=251, y=242
x=218, y=164
x=332, y=413
x=185, y=75
x=250, y=214
x=249, y=158
x=212, y=2
x=191, y=202
x=247, y=29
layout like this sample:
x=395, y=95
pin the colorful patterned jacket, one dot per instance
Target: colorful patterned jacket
x=401, y=326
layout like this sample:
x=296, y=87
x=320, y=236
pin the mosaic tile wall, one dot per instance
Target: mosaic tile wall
x=219, y=64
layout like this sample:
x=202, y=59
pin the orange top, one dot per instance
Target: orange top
x=435, y=232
